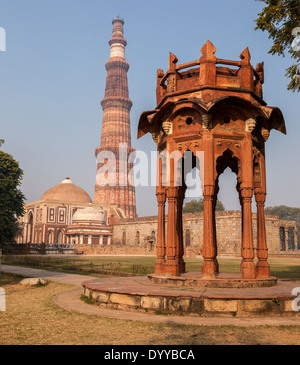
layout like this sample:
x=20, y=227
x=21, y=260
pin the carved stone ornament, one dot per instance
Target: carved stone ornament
x=155, y=137
x=206, y=120
x=256, y=152
x=171, y=83
x=250, y=125
x=265, y=133
x=167, y=127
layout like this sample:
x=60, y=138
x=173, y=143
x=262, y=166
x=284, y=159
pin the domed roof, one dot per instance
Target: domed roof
x=89, y=214
x=66, y=191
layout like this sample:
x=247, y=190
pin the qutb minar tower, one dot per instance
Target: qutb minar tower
x=116, y=131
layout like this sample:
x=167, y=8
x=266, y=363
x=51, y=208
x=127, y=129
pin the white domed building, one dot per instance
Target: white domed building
x=65, y=214
x=89, y=227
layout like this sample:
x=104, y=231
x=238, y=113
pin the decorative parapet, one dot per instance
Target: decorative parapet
x=205, y=85
x=209, y=71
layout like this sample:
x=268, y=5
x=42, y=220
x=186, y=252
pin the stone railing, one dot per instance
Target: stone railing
x=204, y=72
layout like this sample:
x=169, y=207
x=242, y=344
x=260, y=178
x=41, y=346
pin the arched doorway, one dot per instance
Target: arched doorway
x=50, y=237
x=224, y=162
x=137, y=238
x=291, y=238
x=59, y=237
x=152, y=241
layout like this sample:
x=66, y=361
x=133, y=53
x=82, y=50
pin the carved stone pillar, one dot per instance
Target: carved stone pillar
x=262, y=266
x=248, y=269
x=215, y=200
x=172, y=261
x=160, y=244
x=209, y=251
x=180, y=229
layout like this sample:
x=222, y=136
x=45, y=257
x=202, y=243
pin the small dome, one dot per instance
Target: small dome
x=67, y=192
x=89, y=214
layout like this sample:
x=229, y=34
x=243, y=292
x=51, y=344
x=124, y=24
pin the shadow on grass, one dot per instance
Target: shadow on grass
x=290, y=272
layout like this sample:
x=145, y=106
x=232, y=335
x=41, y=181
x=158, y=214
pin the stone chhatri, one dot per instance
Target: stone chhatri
x=217, y=109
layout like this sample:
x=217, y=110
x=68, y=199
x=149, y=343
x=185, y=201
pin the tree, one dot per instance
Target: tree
x=287, y=213
x=281, y=19
x=11, y=198
x=198, y=205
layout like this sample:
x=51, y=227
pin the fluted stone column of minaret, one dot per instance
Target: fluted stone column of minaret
x=116, y=107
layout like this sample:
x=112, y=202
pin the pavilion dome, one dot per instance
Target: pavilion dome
x=89, y=214
x=67, y=192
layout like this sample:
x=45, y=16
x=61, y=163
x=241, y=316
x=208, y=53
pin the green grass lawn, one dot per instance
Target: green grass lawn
x=281, y=267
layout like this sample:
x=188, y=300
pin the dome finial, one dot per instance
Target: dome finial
x=67, y=181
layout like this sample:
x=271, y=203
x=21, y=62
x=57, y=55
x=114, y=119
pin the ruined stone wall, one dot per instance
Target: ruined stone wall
x=228, y=228
x=137, y=231
x=272, y=231
x=113, y=250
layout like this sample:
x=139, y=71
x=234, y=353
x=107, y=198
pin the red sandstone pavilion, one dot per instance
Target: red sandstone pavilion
x=215, y=106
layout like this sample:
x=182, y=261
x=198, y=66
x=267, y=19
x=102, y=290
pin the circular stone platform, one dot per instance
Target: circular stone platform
x=138, y=293
x=195, y=280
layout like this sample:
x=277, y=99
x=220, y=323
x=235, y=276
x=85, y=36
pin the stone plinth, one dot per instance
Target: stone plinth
x=139, y=294
x=195, y=280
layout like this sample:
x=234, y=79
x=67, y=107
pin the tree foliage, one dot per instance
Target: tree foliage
x=11, y=197
x=195, y=206
x=285, y=212
x=281, y=18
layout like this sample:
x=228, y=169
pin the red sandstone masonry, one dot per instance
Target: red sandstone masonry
x=116, y=123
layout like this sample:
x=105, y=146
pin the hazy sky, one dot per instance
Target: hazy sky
x=52, y=79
